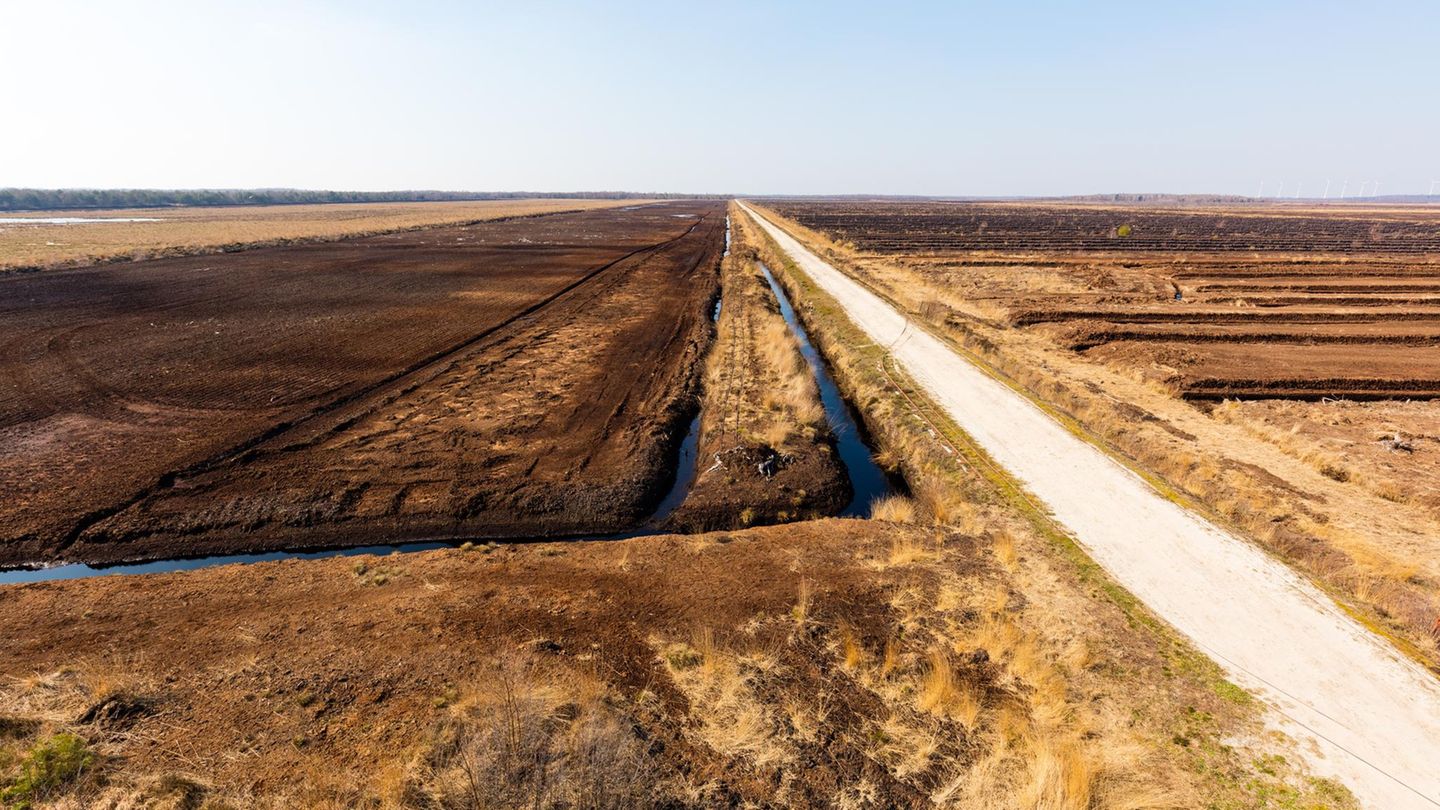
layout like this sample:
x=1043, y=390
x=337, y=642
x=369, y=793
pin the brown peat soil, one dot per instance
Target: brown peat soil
x=953, y=651
x=1253, y=300
x=524, y=377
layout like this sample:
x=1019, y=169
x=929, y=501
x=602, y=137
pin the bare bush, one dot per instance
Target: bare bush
x=534, y=739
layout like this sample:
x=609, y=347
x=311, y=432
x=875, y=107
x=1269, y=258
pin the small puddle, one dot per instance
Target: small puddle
x=866, y=478
x=685, y=469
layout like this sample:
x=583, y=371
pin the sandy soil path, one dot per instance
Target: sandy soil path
x=1361, y=712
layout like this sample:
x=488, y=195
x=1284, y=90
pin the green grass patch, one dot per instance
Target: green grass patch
x=47, y=769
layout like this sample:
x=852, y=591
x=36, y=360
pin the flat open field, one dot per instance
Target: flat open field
x=518, y=377
x=796, y=666
x=947, y=651
x=143, y=233
x=1274, y=300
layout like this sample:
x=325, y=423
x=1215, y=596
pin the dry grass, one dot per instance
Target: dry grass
x=942, y=693
x=1018, y=672
x=1346, y=441
x=524, y=734
x=183, y=231
x=801, y=611
x=1357, y=536
x=893, y=508
x=760, y=391
x=908, y=550
x=732, y=718
x=852, y=653
x=1002, y=545
x=528, y=736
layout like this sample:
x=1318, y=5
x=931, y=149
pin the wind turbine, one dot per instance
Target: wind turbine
x=1281, y=191
x=1343, y=187
x=1299, y=186
x=1326, y=196
x=1432, y=188
x=1376, y=191
x=1261, y=192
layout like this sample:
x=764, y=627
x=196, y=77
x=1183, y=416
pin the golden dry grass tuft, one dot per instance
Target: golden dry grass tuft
x=906, y=549
x=893, y=508
x=732, y=718
x=942, y=693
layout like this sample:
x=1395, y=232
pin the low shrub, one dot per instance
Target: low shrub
x=47, y=769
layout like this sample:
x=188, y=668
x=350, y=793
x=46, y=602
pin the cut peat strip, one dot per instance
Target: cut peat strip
x=245, y=449
x=685, y=465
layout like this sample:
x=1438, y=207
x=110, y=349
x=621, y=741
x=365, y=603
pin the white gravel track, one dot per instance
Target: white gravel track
x=1361, y=712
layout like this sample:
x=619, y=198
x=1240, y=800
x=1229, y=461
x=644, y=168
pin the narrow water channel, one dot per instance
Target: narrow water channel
x=866, y=478
x=685, y=466
x=82, y=571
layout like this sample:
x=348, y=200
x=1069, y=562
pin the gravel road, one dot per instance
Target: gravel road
x=1360, y=711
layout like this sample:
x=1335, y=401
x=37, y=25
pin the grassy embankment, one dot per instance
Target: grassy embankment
x=1304, y=506
x=765, y=451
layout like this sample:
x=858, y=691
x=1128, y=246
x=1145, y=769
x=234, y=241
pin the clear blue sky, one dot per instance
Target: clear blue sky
x=921, y=98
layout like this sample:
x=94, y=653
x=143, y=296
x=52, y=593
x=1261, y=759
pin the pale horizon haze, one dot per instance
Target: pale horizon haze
x=983, y=99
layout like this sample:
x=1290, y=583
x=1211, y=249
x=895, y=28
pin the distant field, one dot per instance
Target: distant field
x=920, y=227
x=1253, y=301
x=181, y=231
x=474, y=379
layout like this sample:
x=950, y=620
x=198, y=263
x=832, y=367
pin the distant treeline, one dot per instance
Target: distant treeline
x=40, y=199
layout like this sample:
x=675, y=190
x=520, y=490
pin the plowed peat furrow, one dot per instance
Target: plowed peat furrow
x=1271, y=298
x=1288, y=270
x=1030, y=317
x=1355, y=388
x=1271, y=285
x=1089, y=339
x=235, y=477
x=939, y=227
x=1283, y=301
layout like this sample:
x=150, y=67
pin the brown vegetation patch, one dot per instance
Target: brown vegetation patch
x=799, y=666
x=765, y=451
